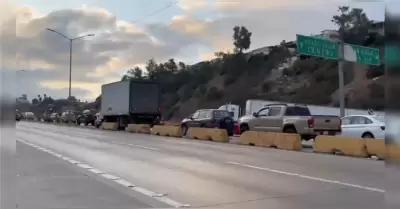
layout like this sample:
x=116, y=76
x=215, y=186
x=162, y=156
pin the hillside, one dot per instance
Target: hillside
x=270, y=73
x=308, y=80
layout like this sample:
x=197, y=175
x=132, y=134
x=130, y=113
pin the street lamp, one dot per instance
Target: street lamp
x=70, y=54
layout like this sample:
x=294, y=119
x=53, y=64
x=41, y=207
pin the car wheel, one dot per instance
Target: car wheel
x=244, y=128
x=368, y=136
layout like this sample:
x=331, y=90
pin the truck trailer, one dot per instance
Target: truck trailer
x=131, y=102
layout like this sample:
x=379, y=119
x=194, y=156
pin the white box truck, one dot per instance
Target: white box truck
x=132, y=101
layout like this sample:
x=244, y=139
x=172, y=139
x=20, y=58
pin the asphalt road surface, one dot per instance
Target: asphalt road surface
x=42, y=181
x=191, y=173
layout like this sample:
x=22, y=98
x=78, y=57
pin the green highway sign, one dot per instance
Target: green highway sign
x=318, y=47
x=392, y=55
x=361, y=54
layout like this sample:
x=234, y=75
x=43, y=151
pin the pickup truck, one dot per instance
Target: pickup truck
x=288, y=118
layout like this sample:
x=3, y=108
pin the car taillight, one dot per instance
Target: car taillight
x=236, y=129
x=383, y=128
x=310, y=122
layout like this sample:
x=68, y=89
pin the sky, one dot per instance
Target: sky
x=126, y=36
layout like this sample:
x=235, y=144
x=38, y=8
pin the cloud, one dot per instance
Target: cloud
x=202, y=27
x=117, y=45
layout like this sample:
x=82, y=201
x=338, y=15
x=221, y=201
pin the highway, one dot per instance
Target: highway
x=191, y=173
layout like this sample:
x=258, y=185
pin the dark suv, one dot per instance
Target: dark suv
x=209, y=118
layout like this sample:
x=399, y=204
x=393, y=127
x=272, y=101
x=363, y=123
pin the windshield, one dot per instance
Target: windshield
x=221, y=114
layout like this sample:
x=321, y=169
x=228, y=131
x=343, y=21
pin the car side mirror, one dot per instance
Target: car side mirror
x=255, y=114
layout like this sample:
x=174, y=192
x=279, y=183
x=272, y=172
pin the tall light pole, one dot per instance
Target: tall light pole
x=70, y=54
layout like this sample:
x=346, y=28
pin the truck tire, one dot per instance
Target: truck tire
x=289, y=130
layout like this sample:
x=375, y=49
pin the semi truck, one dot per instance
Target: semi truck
x=131, y=102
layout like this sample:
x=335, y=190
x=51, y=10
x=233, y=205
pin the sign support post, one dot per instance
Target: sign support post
x=341, y=74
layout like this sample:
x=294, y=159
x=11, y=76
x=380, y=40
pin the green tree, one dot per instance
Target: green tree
x=353, y=23
x=35, y=101
x=171, y=66
x=136, y=73
x=152, y=68
x=241, y=38
x=182, y=66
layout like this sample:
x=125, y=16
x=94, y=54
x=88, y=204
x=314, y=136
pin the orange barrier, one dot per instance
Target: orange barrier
x=112, y=126
x=350, y=146
x=376, y=147
x=174, y=131
x=138, y=128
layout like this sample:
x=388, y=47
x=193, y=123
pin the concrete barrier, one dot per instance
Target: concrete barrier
x=271, y=139
x=393, y=152
x=376, y=147
x=267, y=139
x=259, y=139
x=248, y=138
x=218, y=135
x=286, y=141
x=109, y=126
x=174, y=131
x=350, y=146
x=198, y=133
x=138, y=128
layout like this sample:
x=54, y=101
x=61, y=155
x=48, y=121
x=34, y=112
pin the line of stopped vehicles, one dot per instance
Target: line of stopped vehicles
x=139, y=102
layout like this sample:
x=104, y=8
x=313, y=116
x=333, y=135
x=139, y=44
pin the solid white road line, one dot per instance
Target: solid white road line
x=135, y=145
x=308, y=177
x=158, y=196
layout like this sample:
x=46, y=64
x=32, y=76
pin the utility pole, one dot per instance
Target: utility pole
x=70, y=68
x=340, y=71
x=70, y=54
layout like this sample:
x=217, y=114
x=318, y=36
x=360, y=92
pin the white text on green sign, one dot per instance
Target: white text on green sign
x=361, y=54
x=317, y=47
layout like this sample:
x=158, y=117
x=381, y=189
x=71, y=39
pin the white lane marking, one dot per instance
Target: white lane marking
x=135, y=145
x=74, y=162
x=144, y=191
x=309, y=177
x=158, y=196
x=144, y=147
x=93, y=170
x=84, y=166
x=65, y=158
x=109, y=176
x=124, y=183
